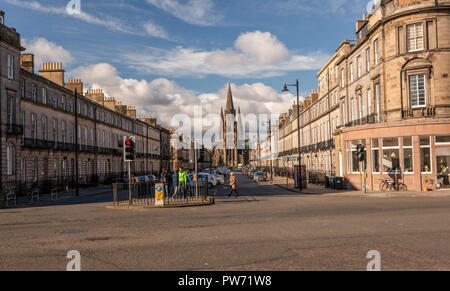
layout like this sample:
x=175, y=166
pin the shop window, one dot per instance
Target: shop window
x=391, y=155
x=375, y=156
x=408, y=155
x=352, y=155
x=443, y=140
x=425, y=154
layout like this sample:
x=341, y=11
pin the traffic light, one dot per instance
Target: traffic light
x=129, y=149
x=361, y=151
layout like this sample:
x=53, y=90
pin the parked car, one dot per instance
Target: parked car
x=151, y=178
x=220, y=179
x=252, y=173
x=260, y=177
x=212, y=181
x=221, y=171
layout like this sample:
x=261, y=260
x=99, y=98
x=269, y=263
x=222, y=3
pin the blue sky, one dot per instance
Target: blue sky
x=170, y=53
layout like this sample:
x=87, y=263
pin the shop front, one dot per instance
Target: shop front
x=416, y=154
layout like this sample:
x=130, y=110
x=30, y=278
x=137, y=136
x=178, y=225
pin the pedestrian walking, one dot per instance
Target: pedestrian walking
x=233, y=185
x=176, y=184
x=165, y=182
x=182, y=178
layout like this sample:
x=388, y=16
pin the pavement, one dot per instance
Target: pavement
x=266, y=228
x=45, y=199
x=313, y=189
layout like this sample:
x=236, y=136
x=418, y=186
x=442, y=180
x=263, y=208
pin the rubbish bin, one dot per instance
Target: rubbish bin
x=333, y=182
x=339, y=183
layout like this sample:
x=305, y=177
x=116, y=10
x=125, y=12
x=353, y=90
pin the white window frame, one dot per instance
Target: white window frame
x=411, y=147
x=431, y=157
x=378, y=148
x=417, y=90
x=378, y=101
x=352, y=76
x=368, y=59
x=440, y=143
x=383, y=148
x=415, y=37
x=358, y=67
x=375, y=48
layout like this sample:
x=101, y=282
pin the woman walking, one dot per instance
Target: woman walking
x=233, y=185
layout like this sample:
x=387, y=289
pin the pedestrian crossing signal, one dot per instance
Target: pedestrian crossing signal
x=129, y=150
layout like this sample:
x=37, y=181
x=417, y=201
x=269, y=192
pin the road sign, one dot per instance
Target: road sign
x=291, y=159
x=159, y=194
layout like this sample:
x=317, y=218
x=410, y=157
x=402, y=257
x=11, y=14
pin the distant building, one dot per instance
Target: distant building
x=230, y=153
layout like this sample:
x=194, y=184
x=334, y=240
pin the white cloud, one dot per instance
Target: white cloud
x=163, y=98
x=199, y=12
x=155, y=30
x=46, y=51
x=255, y=54
x=151, y=29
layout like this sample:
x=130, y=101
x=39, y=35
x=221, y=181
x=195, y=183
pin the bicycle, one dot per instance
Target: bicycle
x=391, y=185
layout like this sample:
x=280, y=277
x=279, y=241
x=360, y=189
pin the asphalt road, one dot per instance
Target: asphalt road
x=267, y=228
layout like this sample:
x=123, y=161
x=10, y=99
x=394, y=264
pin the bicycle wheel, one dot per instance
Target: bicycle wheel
x=402, y=187
x=382, y=186
x=390, y=188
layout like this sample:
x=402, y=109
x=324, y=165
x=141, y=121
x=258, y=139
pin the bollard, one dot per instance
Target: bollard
x=115, y=187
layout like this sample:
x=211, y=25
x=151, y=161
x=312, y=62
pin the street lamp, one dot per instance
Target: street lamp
x=286, y=90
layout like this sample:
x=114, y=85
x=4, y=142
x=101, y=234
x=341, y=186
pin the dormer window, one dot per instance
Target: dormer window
x=2, y=19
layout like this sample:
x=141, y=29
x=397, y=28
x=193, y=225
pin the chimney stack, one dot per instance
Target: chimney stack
x=96, y=95
x=27, y=62
x=131, y=111
x=75, y=84
x=53, y=72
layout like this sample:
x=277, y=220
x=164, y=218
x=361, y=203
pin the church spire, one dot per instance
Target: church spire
x=230, y=105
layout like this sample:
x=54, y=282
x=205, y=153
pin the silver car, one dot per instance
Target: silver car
x=260, y=177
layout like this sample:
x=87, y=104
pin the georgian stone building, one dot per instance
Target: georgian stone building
x=42, y=123
x=388, y=90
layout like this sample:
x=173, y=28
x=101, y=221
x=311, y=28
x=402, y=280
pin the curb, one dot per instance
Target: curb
x=139, y=207
x=51, y=202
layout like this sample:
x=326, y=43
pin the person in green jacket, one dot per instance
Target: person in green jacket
x=182, y=179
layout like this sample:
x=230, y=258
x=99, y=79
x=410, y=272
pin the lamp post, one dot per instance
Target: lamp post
x=286, y=90
x=76, y=145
